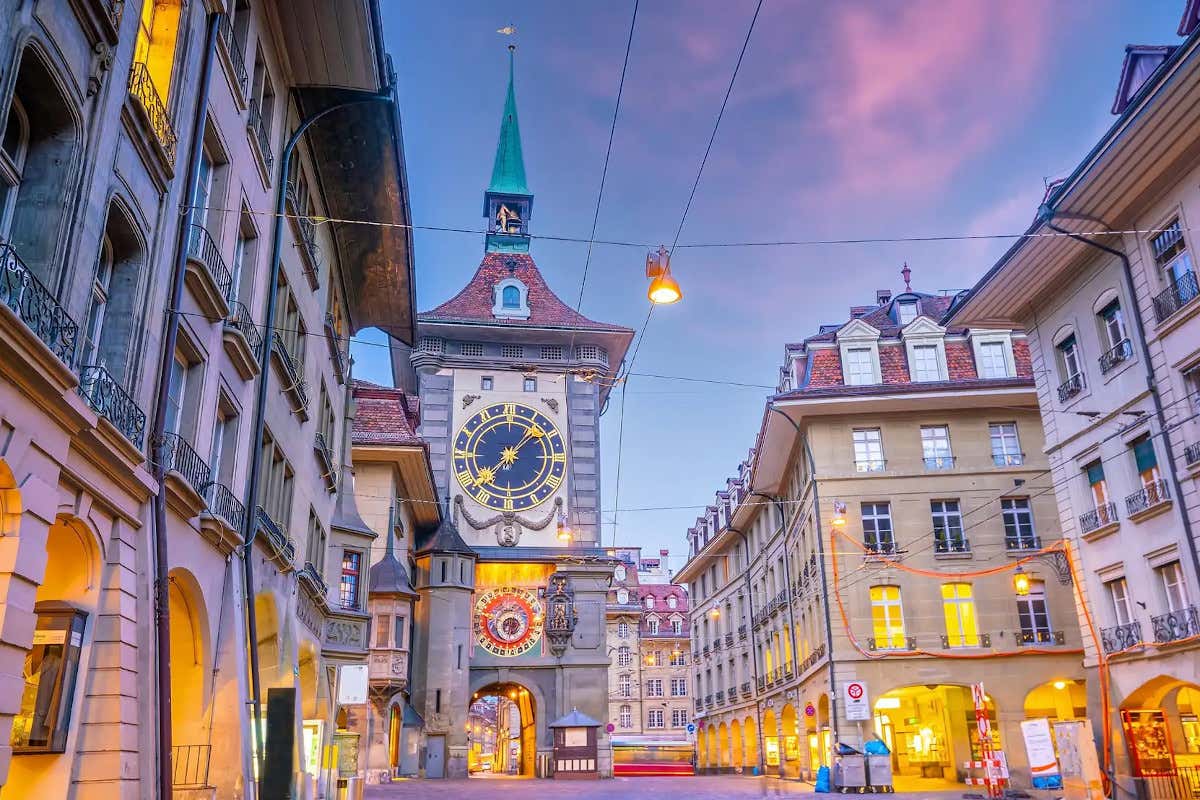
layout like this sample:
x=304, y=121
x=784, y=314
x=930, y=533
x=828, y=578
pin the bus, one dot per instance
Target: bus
x=642, y=756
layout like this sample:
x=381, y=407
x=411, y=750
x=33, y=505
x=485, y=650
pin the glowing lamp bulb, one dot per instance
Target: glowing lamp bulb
x=664, y=290
x=564, y=532
x=716, y=612
x=1060, y=685
x=839, y=515
x=1021, y=582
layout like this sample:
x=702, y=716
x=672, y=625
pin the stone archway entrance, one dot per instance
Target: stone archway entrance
x=502, y=731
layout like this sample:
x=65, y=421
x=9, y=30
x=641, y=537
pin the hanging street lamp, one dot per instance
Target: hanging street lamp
x=664, y=289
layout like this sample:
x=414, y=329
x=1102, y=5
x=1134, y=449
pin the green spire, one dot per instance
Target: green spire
x=508, y=173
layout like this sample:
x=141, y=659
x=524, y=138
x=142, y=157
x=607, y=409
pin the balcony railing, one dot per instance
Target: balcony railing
x=142, y=88
x=223, y=504
x=1028, y=637
x=257, y=126
x=954, y=642
x=179, y=456
x=292, y=369
x=108, y=399
x=236, y=55
x=934, y=463
x=742, y=633
x=1119, y=353
x=189, y=766
x=1121, y=637
x=325, y=453
x=1149, y=495
x=313, y=575
x=1183, y=291
x=275, y=535
x=720, y=696
x=907, y=643
x=886, y=547
x=1027, y=541
x=729, y=640
x=115, y=9
x=699, y=704
x=1098, y=518
x=951, y=544
x=34, y=305
x=239, y=319
x=1191, y=453
x=1008, y=459
x=203, y=250
x=1176, y=625
x=746, y=691
x=869, y=464
x=1070, y=387
x=716, y=646
x=336, y=356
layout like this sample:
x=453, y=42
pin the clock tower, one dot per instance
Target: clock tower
x=512, y=383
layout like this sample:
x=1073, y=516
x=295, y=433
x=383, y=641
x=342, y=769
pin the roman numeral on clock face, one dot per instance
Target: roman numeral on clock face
x=483, y=496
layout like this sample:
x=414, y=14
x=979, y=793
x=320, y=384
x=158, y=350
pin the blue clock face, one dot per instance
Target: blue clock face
x=509, y=457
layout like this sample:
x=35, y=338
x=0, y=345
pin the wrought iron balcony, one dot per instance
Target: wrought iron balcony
x=257, y=126
x=240, y=321
x=223, y=504
x=237, y=56
x=742, y=633
x=142, y=89
x=887, y=547
x=729, y=640
x=699, y=704
x=204, y=251
x=706, y=650
x=1191, y=453
x=1027, y=541
x=869, y=464
x=905, y=643
x=1176, y=625
x=189, y=766
x=1008, y=459
x=34, y=305
x=275, y=534
x=325, y=454
x=336, y=356
x=720, y=696
x=108, y=399
x=179, y=456
x=1098, y=518
x=1121, y=352
x=1070, y=387
x=716, y=646
x=1150, y=495
x=292, y=371
x=1183, y=291
x=982, y=640
x=746, y=691
x=1028, y=637
x=314, y=577
x=935, y=463
x=957, y=543
x=1121, y=637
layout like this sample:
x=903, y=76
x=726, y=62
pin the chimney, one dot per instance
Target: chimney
x=882, y=296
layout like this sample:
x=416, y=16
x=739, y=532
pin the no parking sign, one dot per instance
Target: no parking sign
x=855, y=704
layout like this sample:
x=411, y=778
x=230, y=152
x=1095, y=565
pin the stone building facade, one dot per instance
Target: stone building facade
x=872, y=536
x=1114, y=332
x=134, y=216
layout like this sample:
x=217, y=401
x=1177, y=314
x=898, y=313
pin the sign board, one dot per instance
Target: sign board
x=810, y=710
x=1039, y=747
x=855, y=702
x=352, y=684
x=691, y=728
x=1080, y=769
x=610, y=727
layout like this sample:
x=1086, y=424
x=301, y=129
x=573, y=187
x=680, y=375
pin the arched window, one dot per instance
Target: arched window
x=12, y=162
x=109, y=324
x=511, y=297
x=101, y=279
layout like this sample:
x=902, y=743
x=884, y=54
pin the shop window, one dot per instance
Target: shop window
x=43, y=717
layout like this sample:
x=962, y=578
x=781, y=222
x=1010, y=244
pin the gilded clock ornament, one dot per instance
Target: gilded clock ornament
x=508, y=621
x=509, y=457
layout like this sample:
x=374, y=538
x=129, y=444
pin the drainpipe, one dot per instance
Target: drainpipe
x=1047, y=214
x=162, y=617
x=820, y=535
x=761, y=765
x=260, y=403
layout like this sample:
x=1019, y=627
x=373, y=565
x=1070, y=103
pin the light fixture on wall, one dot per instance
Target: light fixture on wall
x=564, y=532
x=1020, y=582
x=839, y=514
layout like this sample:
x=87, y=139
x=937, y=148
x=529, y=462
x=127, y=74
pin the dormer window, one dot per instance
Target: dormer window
x=860, y=367
x=906, y=312
x=510, y=299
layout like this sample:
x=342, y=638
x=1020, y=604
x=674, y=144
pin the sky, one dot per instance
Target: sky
x=848, y=120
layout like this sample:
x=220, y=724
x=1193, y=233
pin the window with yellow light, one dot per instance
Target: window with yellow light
x=958, y=603
x=887, y=618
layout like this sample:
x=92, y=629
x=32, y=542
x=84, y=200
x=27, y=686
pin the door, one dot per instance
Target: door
x=435, y=757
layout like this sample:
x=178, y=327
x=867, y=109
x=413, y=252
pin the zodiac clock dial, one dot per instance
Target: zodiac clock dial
x=508, y=622
x=509, y=457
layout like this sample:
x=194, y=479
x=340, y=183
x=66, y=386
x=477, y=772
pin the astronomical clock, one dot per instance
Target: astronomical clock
x=508, y=621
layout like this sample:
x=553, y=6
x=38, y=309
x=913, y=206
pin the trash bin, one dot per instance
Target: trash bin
x=350, y=788
x=879, y=773
x=850, y=773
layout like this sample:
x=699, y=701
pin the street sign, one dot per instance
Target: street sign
x=352, y=684
x=610, y=727
x=855, y=704
x=691, y=728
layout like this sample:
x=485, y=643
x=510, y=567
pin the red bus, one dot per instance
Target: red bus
x=639, y=756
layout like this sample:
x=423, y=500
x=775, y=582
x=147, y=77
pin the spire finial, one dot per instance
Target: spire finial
x=389, y=552
x=907, y=273
x=508, y=171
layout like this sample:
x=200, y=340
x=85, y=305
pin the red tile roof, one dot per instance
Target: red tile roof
x=660, y=592
x=384, y=416
x=474, y=303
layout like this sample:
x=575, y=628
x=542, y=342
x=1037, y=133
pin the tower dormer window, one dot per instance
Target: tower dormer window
x=906, y=312
x=510, y=299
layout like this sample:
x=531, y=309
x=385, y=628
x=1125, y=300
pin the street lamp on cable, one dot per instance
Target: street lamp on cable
x=664, y=289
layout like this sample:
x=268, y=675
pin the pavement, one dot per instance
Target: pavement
x=700, y=787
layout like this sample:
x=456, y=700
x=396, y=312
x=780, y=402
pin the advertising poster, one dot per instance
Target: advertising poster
x=1039, y=748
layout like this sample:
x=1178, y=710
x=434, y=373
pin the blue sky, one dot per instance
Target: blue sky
x=853, y=119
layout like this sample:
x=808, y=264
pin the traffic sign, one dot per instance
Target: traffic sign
x=855, y=703
x=691, y=728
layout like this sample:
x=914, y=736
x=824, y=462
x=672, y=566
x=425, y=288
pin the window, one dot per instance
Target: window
x=906, y=312
x=623, y=630
x=654, y=658
x=1033, y=615
x=486, y=383
x=530, y=385
x=887, y=618
x=624, y=656
x=1099, y=486
x=654, y=718
x=383, y=624
x=1018, y=524
x=351, y=576
x=958, y=604
x=654, y=687
x=1070, y=368
x=511, y=297
x=935, y=447
x=1171, y=255
x=552, y=352
x=1118, y=593
x=624, y=685
x=512, y=350
x=992, y=360
x=678, y=658
x=176, y=389
x=925, y=363
x=400, y=632
x=277, y=486
x=947, y=527
x=1006, y=448
x=101, y=278
x=652, y=626
x=12, y=162
x=860, y=367
x=626, y=717
x=474, y=349
x=1145, y=460
x=262, y=106
x=1113, y=323
x=158, y=26
x=672, y=601
x=314, y=547
x=868, y=450
x=1174, y=589
x=650, y=601
x=679, y=718
x=224, y=443
x=677, y=626
x=877, y=527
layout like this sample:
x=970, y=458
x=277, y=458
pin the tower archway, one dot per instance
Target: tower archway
x=502, y=731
